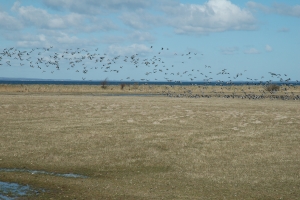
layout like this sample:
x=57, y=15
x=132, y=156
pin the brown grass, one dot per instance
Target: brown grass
x=148, y=89
x=272, y=87
x=104, y=83
x=122, y=86
x=151, y=147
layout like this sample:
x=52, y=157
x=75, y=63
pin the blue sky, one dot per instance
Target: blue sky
x=201, y=40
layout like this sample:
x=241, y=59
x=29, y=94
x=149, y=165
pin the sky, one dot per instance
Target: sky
x=155, y=40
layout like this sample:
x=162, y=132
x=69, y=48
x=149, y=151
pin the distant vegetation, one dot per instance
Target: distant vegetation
x=104, y=84
x=272, y=87
x=122, y=86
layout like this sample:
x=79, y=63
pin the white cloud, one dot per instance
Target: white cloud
x=135, y=36
x=46, y=38
x=87, y=16
x=94, y=24
x=141, y=19
x=40, y=18
x=287, y=10
x=259, y=6
x=92, y=7
x=269, y=48
x=141, y=36
x=8, y=22
x=213, y=16
x=63, y=39
x=252, y=51
x=283, y=30
x=128, y=50
x=281, y=9
x=229, y=50
x=30, y=40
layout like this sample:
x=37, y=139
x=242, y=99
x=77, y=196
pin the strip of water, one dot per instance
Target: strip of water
x=68, y=175
x=9, y=191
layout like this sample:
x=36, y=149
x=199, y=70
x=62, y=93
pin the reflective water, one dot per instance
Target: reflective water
x=10, y=191
x=69, y=175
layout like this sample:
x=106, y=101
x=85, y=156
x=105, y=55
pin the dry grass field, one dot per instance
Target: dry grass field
x=151, y=89
x=149, y=147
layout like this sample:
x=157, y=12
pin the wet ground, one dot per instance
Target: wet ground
x=14, y=190
x=10, y=191
x=69, y=175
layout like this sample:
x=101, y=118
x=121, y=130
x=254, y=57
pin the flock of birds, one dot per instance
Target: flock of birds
x=80, y=60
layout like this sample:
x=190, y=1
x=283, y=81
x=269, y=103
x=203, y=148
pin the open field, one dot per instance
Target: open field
x=137, y=147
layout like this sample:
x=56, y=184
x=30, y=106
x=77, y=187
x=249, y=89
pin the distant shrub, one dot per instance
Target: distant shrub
x=272, y=87
x=135, y=86
x=104, y=84
x=122, y=86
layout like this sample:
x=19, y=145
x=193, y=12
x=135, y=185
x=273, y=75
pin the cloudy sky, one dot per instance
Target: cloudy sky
x=222, y=39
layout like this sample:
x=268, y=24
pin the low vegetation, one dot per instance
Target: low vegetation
x=104, y=84
x=122, y=86
x=147, y=89
x=150, y=147
x=272, y=87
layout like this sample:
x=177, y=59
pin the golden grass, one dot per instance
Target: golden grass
x=215, y=91
x=151, y=147
x=79, y=89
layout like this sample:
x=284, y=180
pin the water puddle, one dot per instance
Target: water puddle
x=69, y=175
x=10, y=191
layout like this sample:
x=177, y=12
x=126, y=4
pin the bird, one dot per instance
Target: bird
x=153, y=65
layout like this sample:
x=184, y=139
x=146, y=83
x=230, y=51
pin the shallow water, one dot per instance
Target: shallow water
x=69, y=175
x=10, y=191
